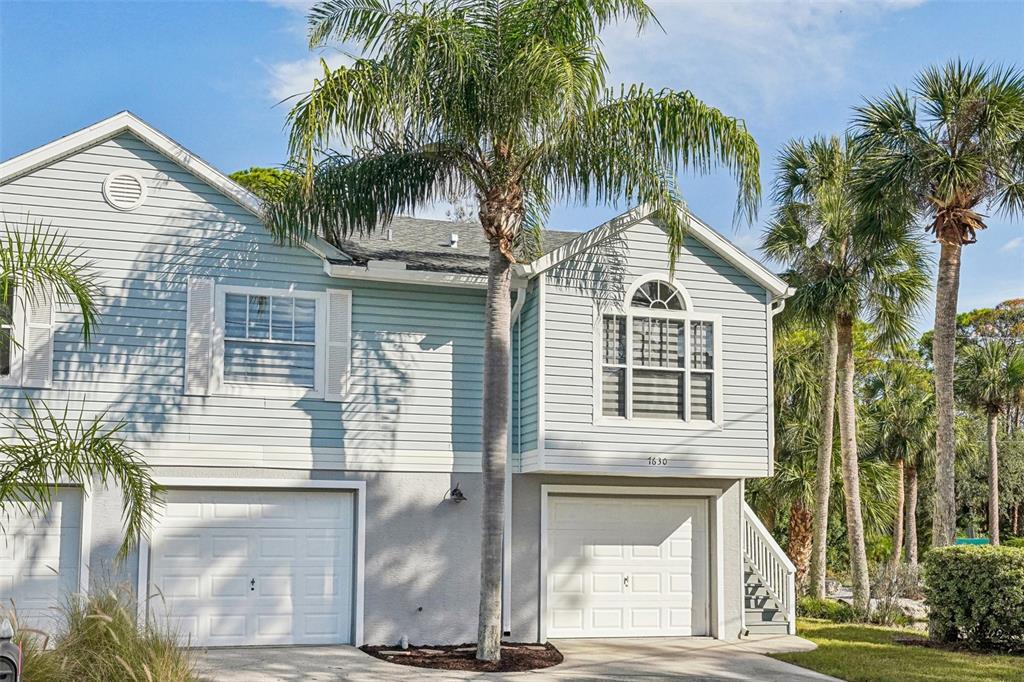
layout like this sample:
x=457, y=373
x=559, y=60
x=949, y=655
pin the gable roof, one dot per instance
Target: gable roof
x=127, y=122
x=696, y=227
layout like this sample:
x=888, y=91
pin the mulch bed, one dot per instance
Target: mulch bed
x=515, y=657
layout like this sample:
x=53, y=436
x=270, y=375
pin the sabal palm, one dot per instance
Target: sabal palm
x=504, y=101
x=43, y=446
x=988, y=378
x=949, y=148
x=902, y=406
x=848, y=263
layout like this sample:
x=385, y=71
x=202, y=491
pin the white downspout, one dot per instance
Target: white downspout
x=506, y=549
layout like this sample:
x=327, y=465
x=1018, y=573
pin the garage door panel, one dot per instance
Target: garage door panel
x=40, y=557
x=262, y=574
x=626, y=566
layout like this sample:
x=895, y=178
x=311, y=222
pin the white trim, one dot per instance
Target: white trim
x=729, y=251
x=770, y=313
x=400, y=275
x=143, y=189
x=125, y=121
x=218, y=386
x=359, y=560
x=658, y=277
x=546, y=490
x=718, y=574
x=506, y=544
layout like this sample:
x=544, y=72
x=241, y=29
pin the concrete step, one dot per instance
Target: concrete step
x=765, y=616
x=760, y=603
x=768, y=628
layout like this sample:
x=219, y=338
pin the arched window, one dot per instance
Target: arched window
x=658, y=357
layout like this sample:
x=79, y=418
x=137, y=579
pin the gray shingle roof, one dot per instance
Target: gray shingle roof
x=425, y=245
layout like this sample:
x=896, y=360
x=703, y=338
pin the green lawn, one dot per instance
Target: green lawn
x=866, y=653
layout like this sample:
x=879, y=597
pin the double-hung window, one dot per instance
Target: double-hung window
x=658, y=359
x=6, y=332
x=270, y=339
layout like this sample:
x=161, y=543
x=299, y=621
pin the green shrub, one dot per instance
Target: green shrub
x=1014, y=542
x=976, y=596
x=826, y=609
x=100, y=640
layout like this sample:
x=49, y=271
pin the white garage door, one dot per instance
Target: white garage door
x=40, y=558
x=626, y=566
x=231, y=568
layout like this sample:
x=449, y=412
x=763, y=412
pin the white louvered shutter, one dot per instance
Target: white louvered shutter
x=37, y=364
x=339, y=344
x=199, y=336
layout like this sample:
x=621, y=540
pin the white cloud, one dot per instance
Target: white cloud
x=746, y=56
x=1012, y=245
x=288, y=79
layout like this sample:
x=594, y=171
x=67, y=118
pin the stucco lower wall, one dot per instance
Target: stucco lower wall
x=422, y=551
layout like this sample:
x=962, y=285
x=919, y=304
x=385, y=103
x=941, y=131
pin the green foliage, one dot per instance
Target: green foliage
x=100, y=641
x=825, y=609
x=1004, y=322
x=34, y=257
x=976, y=596
x=43, y=446
x=1017, y=543
x=989, y=376
x=505, y=102
x=266, y=183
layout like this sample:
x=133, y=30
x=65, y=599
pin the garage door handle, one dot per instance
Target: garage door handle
x=252, y=585
x=625, y=581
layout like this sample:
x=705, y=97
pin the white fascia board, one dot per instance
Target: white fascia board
x=715, y=241
x=126, y=121
x=402, y=276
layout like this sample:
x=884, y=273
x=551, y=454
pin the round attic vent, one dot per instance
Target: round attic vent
x=124, y=190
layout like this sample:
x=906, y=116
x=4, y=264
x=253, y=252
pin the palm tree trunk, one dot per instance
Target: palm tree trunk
x=944, y=354
x=993, y=477
x=851, y=468
x=799, y=546
x=910, y=523
x=823, y=473
x=898, y=521
x=497, y=350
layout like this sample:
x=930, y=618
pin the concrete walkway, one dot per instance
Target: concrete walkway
x=585, y=659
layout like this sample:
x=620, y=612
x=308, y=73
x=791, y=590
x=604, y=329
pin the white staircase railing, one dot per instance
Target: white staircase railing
x=773, y=567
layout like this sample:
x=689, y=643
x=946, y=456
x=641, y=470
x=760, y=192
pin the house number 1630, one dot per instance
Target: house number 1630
x=657, y=461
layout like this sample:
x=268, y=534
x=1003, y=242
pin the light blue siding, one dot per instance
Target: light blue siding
x=526, y=375
x=415, y=401
x=574, y=441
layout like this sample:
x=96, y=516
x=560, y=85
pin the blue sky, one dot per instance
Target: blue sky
x=211, y=74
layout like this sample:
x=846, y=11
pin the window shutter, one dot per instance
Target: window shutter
x=37, y=363
x=339, y=344
x=198, y=338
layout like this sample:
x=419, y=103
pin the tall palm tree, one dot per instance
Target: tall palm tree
x=44, y=446
x=989, y=378
x=503, y=101
x=950, y=147
x=847, y=263
x=901, y=404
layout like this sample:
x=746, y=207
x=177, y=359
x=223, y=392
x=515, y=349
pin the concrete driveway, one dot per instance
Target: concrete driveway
x=585, y=659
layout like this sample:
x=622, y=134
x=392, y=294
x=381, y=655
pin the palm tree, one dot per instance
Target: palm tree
x=989, y=378
x=949, y=148
x=901, y=404
x=44, y=446
x=847, y=262
x=505, y=102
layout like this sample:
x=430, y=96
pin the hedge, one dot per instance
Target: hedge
x=826, y=609
x=976, y=596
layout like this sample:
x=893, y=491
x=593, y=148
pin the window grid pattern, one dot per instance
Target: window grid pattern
x=670, y=370
x=269, y=340
x=6, y=331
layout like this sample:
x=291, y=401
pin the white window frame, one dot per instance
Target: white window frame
x=221, y=387
x=17, y=340
x=686, y=316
